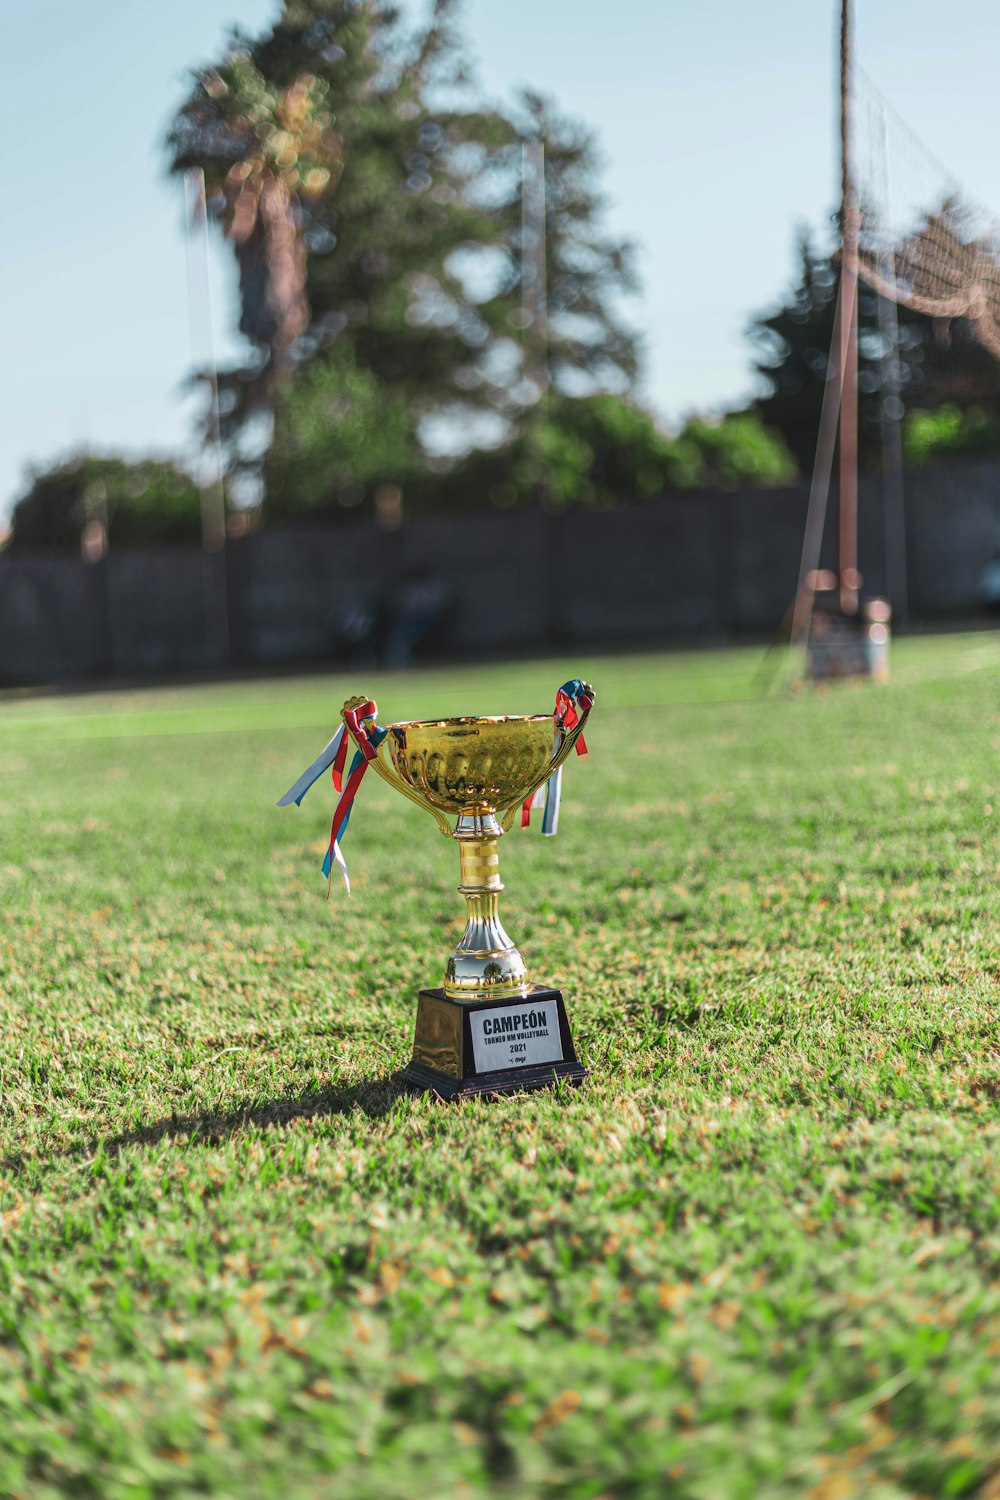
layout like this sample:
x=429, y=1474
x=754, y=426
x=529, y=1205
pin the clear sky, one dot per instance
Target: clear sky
x=717, y=119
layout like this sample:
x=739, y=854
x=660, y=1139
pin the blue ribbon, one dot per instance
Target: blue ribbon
x=375, y=735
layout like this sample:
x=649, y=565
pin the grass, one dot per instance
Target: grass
x=758, y=1255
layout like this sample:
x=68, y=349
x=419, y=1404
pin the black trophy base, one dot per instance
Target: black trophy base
x=490, y=1046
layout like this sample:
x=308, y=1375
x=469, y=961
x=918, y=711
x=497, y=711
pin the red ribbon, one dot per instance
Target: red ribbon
x=360, y=733
x=346, y=802
x=339, y=762
x=353, y=718
x=564, y=717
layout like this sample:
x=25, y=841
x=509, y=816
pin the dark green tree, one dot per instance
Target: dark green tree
x=603, y=450
x=562, y=330
x=947, y=432
x=148, y=502
x=377, y=233
x=411, y=245
x=338, y=433
x=628, y=457
x=733, y=452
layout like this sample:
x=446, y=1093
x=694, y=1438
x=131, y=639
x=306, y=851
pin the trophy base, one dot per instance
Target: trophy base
x=491, y=1046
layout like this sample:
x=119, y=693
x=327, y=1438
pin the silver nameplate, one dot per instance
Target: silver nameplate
x=516, y=1036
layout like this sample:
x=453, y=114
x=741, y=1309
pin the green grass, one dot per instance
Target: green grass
x=757, y=1255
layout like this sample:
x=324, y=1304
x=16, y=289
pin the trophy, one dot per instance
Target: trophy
x=488, y=1028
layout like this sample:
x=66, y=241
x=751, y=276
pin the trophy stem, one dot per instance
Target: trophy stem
x=486, y=962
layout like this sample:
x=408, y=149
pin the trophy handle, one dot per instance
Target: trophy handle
x=565, y=739
x=381, y=764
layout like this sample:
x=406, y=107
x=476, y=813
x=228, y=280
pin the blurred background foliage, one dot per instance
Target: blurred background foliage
x=420, y=361
x=338, y=430
x=152, y=501
x=399, y=331
x=388, y=328
x=929, y=435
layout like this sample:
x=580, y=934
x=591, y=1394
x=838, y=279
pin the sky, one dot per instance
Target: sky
x=717, y=122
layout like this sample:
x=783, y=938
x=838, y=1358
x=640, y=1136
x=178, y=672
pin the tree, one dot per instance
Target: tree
x=376, y=234
x=947, y=432
x=412, y=252
x=733, y=452
x=603, y=451
x=337, y=431
x=590, y=347
x=146, y=502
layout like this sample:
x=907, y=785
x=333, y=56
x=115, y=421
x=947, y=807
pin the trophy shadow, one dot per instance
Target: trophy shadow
x=374, y=1097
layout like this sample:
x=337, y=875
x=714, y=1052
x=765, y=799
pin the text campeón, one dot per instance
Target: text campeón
x=517, y=1022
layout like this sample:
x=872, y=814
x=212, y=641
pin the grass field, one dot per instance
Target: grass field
x=758, y=1255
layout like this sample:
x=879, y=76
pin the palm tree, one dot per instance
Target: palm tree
x=262, y=153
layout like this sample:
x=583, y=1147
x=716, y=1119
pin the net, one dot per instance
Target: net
x=926, y=244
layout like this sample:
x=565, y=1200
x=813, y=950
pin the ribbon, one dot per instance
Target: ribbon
x=533, y=804
x=340, y=760
x=355, y=718
x=569, y=695
x=333, y=752
x=570, y=699
x=553, y=801
x=334, y=856
x=360, y=725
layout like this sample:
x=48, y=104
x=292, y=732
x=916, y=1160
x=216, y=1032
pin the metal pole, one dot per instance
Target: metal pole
x=534, y=290
x=849, y=228
x=819, y=488
x=535, y=335
x=891, y=409
x=213, y=494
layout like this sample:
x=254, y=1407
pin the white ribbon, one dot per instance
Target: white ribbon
x=553, y=798
x=341, y=866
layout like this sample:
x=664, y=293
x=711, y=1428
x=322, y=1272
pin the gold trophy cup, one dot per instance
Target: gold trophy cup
x=488, y=1028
